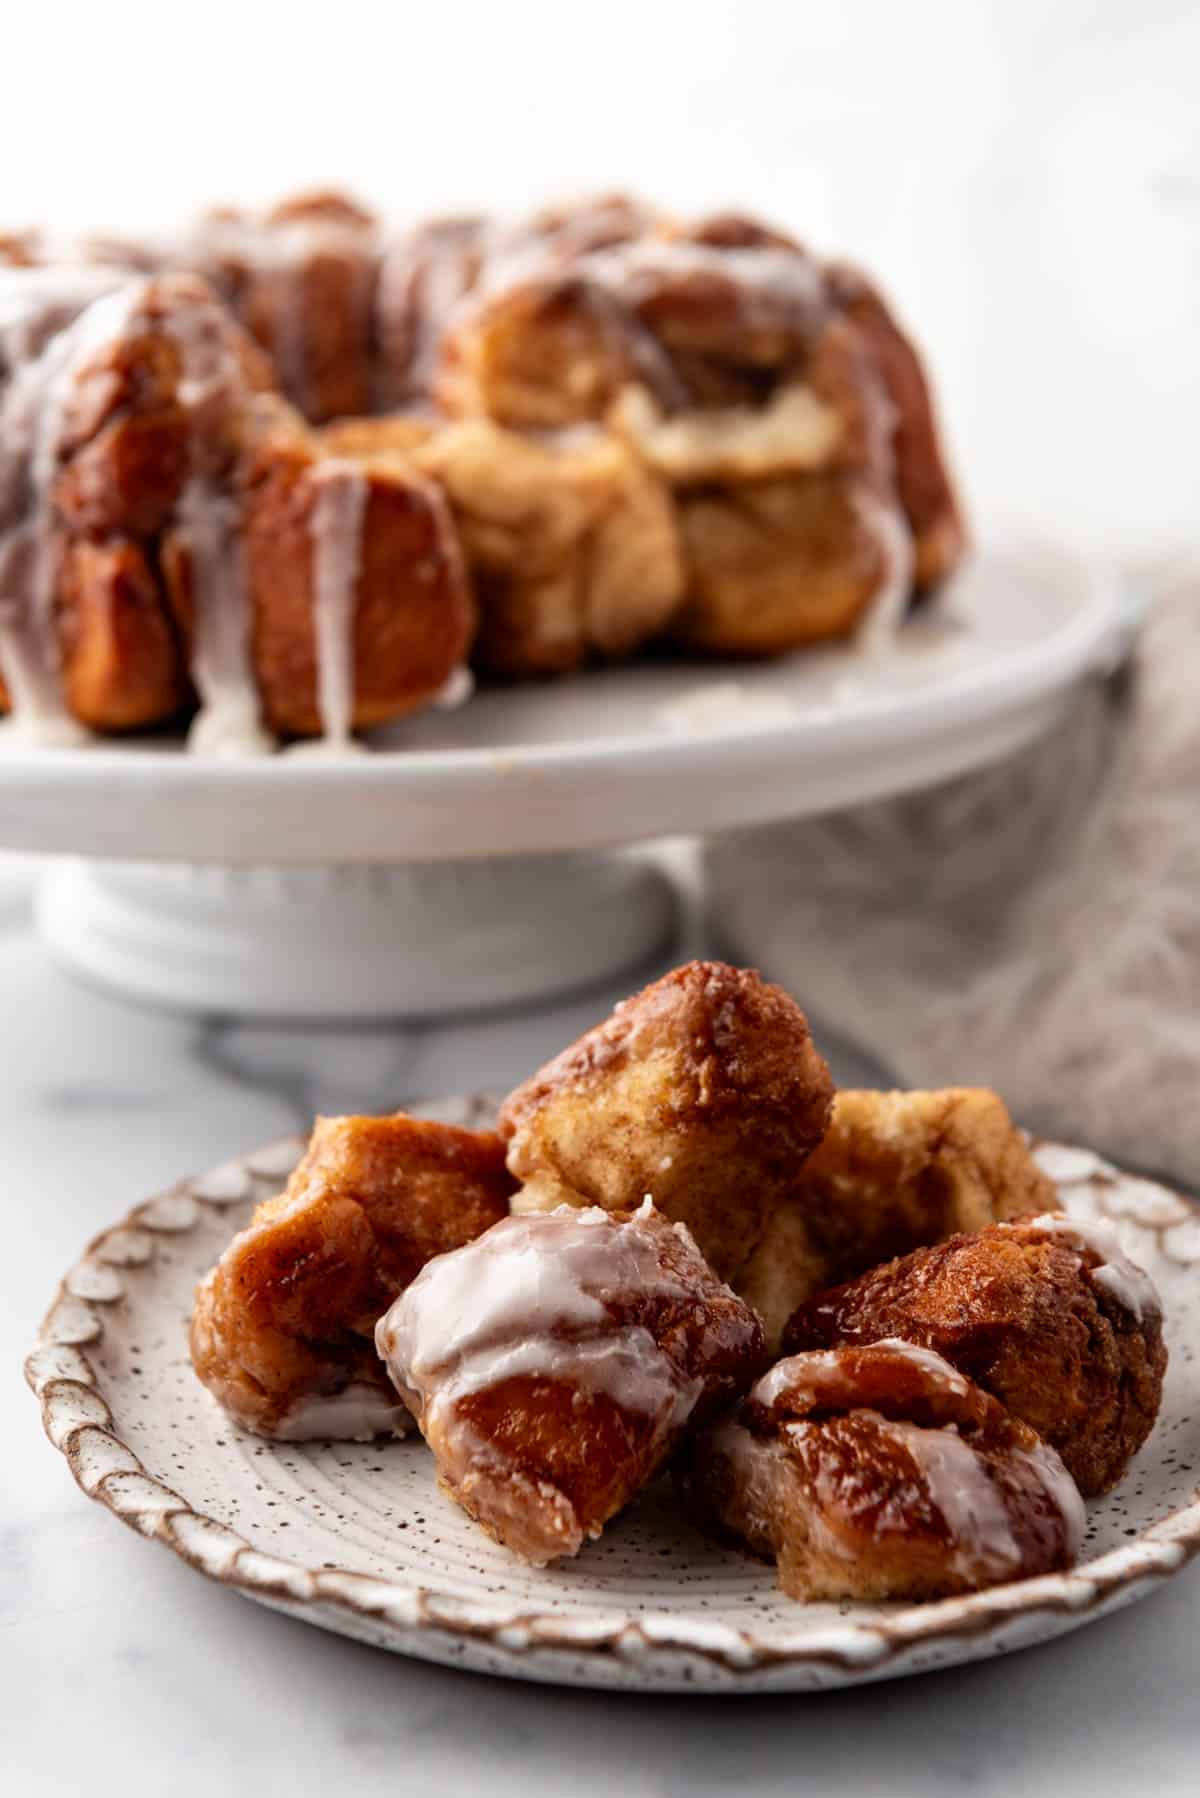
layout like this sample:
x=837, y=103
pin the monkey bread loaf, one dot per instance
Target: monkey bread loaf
x=285, y=473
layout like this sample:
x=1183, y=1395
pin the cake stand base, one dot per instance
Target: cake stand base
x=329, y=943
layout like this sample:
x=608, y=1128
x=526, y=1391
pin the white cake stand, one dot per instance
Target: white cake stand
x=460, y=863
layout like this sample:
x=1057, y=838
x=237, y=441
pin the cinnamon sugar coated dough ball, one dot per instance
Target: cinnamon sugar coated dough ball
x=553, y=1365
x=283, y=1326
x=893, y=1172
x=881, y=1473
x=572, y=545
x=1045, y=1313
x=704, y=1093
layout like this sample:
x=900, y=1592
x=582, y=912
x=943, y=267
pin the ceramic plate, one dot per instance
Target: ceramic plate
x=358, y=1539
x=612, y=755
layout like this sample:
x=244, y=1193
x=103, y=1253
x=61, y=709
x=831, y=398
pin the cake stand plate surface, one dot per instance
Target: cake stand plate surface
x=611, y=756
x=456, y=863
x=357, y=1538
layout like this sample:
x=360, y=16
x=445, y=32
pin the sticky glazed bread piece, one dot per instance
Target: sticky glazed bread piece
x=283, y=1327
x=894, y=1171
x=167, y=526
x=1045, y=1313
x=704, y=1093
x=881, y=1473
x=553, y=1365
x=571, y=543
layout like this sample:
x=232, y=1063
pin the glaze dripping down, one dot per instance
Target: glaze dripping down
x=336, y=528
x=33, y=416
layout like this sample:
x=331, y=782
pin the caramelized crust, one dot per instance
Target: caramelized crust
x=880, y=1473
x=704, y=1092
x=1046, y=1314
x=893, y=1172
x=283, y=1325
x=553, y=1365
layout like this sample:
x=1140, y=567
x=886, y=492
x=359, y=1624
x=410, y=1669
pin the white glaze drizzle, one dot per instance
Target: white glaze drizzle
x=1121, y=1278
x=335, y=526
x=971, y=1505
x=228, y=722
x=725, y=705
x=358, y=1413
x=36, y=303
x=276, y=250
x=457, y=690
x=426, y=277
x=884, y=518
x=32, y=420
x=528, y=1298
x=1060, y=1488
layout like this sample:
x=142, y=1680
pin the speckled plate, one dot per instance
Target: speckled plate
x=358, y=1539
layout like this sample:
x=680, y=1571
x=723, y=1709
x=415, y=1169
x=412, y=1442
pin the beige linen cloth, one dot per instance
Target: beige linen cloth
x=1034, y=927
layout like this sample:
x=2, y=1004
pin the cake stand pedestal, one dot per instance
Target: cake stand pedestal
x=361, y=941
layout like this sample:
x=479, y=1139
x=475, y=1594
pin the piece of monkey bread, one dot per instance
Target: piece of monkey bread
x=881, y=1472
x=283, y=1326
x=554, y=1363
x=704, y=1093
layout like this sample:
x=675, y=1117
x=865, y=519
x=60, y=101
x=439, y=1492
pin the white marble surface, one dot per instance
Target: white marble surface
x=121, y=1671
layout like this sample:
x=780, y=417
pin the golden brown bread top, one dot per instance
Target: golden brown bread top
x=704, y=1092
x=733, y=1037
x=1054, y=1324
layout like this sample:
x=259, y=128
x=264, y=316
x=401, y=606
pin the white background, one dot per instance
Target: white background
x=1025, y=176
